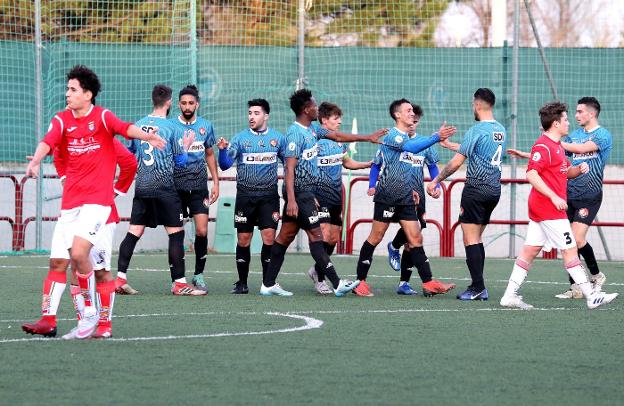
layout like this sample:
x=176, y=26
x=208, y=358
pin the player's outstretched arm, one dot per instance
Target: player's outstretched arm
x=538, y=184
x=350, y=163
x=516, y=153
x=587, y=146
x=578, y=170
x=41, y=152
x=150, y=137
x=451, y=167
x=344, y=137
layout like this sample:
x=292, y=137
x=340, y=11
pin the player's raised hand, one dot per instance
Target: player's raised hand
x=292, y=209
x=371, y=191
x=584, y=167
x=446, y=131
x=375, y=137
x=222, y=143
x=188, y=139
x=559, y=203
x=155, y=140
x=516, y=153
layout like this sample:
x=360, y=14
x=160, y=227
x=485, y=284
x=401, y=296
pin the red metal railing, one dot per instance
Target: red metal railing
x=446, y=227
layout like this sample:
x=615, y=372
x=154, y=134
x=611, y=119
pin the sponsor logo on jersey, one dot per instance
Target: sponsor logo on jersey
x=261, y=143
x=331, y=160
x=69, y=130
x=79, y=146
x=583, y=213
x=586, y=155
x=197, y=146
x=310, y=153
x=498, y=136
x=415, y=160
x=240, y=218
x=259, y=158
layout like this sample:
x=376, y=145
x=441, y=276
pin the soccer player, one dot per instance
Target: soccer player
x=86, y=131
x=547, y=172
x=101, y=252
x=191, y=181
x=255, y=151
x=483, y=145
x=590, y=143
x=156, y=201
x=332, y=157
x=394, y=196
x=300, y=212
x=398, y=262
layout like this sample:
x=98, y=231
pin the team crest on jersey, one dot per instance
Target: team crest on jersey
x=583, y=213
x=275, y=216
x=273, y=142
x=202, y=131
x=398, y=139
x=91, y=125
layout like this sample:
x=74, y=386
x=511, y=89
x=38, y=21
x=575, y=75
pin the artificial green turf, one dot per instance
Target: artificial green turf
x=387, y=349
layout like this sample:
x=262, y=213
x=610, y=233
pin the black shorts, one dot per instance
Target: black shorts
x=194, y=202
x=156, y=211
x=585, y=210
x=261, y=211
x=387, y=213
x=307, y=216
x=330, y=213
x=476, y=208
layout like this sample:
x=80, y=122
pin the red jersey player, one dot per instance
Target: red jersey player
x=547, y=172
x=86, y=132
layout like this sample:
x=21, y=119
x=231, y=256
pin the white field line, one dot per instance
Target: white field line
x=392, y=276
x=310, y=323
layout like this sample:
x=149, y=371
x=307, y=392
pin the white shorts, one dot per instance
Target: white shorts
x=102, y=251
x=550, y=234
x=85, y=221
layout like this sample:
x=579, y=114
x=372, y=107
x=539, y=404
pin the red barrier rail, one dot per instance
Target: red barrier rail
x=449, y=250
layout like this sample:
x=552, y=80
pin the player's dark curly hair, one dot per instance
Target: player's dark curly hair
x=327, y=110
x=299, y=100
x=395, y=106
x=551, y=112
x=161, y=94
x=260, y=103
x=591, y=102
x=485, y=95
x=418, y=111
x=189, y=89
x=87, y=78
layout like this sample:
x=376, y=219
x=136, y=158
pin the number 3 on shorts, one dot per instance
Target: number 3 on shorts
x=568, y=239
